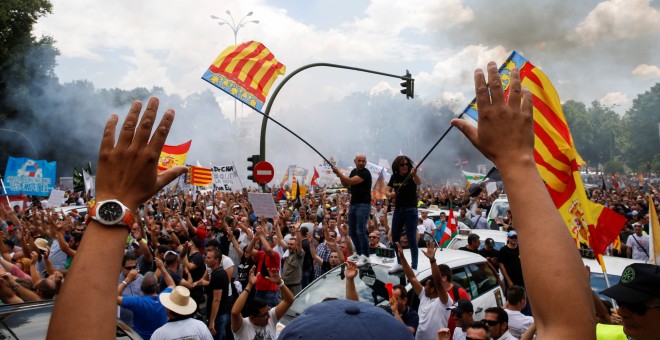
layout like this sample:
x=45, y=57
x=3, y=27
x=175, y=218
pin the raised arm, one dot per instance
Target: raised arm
x=537, y=218
x=236, y=317
x=346, y=181
x=351, y=272
x=127, y=171
x=414, y=282
x=435, y=273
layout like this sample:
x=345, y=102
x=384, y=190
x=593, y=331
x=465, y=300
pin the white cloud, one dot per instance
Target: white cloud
x=645, y=71
x=391, y=17
x=616, y=20
x=615, y=99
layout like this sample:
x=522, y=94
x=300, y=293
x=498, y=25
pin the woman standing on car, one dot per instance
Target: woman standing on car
x=404, y=194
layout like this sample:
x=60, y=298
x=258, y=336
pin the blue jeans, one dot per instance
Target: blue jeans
x=307, y=277
x=358, y=215
x=406, y=218
x=221, y=323
x=269, y=296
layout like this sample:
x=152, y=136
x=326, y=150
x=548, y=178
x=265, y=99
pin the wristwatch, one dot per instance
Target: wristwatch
x=111, y=213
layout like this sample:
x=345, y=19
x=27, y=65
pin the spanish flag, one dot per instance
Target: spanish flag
x=172, y=156
x=246, y=72
x=558, y=161
x=201, y=176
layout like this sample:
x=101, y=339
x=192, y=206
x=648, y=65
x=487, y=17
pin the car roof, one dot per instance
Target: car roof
x=613, y=265
x=496, y=235
x=450, y=257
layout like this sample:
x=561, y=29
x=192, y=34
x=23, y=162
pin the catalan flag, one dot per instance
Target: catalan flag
x=173, y=155
x=201, y=175
x=557, y=160
x=246, y=72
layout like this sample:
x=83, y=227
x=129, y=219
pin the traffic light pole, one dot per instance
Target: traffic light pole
x=262, y=143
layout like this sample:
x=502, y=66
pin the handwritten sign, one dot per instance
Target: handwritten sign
x=263, y=204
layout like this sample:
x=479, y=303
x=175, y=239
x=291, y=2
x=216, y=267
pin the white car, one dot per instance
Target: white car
x=498, y=209
x=470, y=270
x=460, y=240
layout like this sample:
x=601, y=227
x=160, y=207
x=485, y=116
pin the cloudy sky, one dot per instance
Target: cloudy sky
x=591, y=50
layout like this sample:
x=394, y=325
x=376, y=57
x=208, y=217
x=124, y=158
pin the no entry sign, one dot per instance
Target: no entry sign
x=263, y=172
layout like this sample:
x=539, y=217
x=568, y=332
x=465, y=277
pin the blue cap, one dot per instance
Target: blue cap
x=345, y=319
x=512, y=233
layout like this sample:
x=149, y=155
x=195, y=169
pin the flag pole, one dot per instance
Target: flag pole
x=427, y=155
x=237, y=176
x=4, y=189
x=607, y=280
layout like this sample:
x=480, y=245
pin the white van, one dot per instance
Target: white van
x=471, y=271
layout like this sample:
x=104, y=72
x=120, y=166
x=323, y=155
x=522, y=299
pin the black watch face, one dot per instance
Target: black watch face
x=110, y=212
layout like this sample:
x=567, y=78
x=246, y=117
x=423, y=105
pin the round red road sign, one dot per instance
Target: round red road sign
x=263, y=172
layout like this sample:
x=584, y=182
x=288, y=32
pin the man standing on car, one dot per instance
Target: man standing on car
x=359, y=182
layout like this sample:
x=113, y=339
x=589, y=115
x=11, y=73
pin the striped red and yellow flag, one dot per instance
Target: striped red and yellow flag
x=201, y=176
x=558, y=161
x=246, y=72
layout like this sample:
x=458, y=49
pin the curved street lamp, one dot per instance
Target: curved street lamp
x=36, y=155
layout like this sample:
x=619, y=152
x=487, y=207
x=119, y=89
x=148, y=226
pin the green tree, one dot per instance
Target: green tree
x=641, y=122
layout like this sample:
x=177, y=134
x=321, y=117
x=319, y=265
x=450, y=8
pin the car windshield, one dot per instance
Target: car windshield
x=462, y=242
x=370, y=286
x=498, y=209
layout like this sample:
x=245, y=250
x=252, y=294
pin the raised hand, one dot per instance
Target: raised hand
x=430, y=251
x=351, y=270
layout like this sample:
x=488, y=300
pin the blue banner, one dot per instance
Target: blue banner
x=29, y=177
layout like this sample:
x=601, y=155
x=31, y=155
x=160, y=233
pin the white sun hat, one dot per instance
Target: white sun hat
x=179, y=301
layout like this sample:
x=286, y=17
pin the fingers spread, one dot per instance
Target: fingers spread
x=495, y=84
x=108, y=139
x=146, y=123
x=163, y=129
x=481, y=89
x=515, y=91
x=128, y=128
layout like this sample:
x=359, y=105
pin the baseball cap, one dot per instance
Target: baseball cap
x=489, y=241
x=462, y=306
x=512, y=233
x=344, y=319
x=639, y=283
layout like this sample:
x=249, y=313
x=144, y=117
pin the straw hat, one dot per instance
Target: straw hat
x=41, y=244
x=179, y=301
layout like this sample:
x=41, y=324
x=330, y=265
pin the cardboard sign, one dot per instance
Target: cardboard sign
x=263, y=204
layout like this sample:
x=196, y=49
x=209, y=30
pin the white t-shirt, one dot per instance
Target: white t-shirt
x=459, y=334
x=433, y=315
x=429, y=225
x=421, y=229
x=183, y=329
x=248, y=331
x=518, y=322
x=637, y=252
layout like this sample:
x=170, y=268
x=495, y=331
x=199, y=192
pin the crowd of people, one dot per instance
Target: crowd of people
x=177, y=265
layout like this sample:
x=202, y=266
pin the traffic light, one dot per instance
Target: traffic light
x=408, y=86
x=253, y=160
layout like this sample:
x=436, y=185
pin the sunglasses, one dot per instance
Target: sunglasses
x=404, y=164
x=636, y=308
x=490, y=323
x=470, y=338
x=373, y=236
x=130, y=268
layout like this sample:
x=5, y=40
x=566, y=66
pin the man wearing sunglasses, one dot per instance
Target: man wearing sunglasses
x=497, y=321
x=638, y=297
x=131, y=285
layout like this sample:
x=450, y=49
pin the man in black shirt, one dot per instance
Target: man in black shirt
x=473, y=244
x=509, y=261
x=489, y=252
x=359, y=182
x=218, y=305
